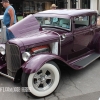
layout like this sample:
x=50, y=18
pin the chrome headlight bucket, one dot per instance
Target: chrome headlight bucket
x=2, y=50
x=26, y=56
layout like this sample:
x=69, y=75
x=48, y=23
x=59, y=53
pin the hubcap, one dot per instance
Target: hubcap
x=43, y=79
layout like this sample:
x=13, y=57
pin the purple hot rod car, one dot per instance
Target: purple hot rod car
x=46, y=41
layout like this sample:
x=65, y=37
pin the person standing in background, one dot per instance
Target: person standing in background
x=9, y=17
x=53, y=7
x=53, y=20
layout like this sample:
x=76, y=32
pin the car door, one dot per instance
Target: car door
x=67, y=41
x=82, y=35
x=66, y=36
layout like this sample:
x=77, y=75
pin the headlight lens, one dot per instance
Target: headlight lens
x=26, y=56
x=2, y=50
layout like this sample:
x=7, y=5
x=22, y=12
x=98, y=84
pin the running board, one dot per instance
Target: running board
x=81, y=63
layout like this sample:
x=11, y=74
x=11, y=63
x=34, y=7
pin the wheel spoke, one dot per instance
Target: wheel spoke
x=36, y=76
x=45, y=84
x=44, y=71
x=38, y=83
x=48, y=77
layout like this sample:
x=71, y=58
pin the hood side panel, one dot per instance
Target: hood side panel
x=28, y=25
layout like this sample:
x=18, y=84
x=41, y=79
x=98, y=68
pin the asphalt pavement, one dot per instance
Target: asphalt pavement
x=74, y=85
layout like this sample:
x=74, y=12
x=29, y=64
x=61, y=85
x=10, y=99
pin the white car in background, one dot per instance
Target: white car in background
x=1, y=17
x=2, y=30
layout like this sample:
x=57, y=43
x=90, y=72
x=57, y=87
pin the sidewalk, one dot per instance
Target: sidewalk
x=89, y=96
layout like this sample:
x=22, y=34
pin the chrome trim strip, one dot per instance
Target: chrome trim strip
x=7, y=76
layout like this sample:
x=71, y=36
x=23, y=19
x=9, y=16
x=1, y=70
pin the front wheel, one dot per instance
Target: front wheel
x=43, y=82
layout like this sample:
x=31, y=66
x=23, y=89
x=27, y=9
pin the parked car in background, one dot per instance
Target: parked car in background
x=46, y=41
x=1, y=17
x=2, y=31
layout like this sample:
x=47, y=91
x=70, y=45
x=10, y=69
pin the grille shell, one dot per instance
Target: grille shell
x=13, y=59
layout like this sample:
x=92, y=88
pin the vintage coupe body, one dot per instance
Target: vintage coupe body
x=46, y=42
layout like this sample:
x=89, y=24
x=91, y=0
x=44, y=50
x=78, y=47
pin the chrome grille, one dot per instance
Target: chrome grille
x=13, y=59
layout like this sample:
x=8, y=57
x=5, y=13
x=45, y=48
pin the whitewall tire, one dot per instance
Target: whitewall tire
x=45, y=81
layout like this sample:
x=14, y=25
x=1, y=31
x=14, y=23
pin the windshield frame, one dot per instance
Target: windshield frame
x=55, y=26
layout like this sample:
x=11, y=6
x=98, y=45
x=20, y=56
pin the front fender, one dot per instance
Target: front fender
x=36, y=62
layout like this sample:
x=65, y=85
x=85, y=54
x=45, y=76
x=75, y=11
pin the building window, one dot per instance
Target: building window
x=18, y=8
x=60, y=4
x=73, y=3
x=28, y=7
x=86, y=4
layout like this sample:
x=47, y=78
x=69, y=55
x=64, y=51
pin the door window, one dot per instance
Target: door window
x=93, y=19
x=81, y=21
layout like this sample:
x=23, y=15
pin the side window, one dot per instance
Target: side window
x=81, y=21
x=93, y=19
x=44, y=20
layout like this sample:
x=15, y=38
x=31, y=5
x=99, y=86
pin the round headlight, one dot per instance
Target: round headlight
x=2, y=50
x=26, y=56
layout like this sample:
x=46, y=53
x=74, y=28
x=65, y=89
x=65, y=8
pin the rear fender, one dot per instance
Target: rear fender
x=36, y=62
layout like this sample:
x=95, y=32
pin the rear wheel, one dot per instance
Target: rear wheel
x=43, y=82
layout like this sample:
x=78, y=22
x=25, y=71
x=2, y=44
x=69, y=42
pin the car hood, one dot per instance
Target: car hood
x=26, y=26
x=39, y=38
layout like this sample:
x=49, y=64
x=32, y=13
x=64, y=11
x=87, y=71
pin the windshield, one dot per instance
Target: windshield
x=55, y=22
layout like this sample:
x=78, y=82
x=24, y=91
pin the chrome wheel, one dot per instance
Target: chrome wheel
x=43, y=79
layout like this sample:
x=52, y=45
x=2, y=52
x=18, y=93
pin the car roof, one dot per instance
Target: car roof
x=67, y=12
